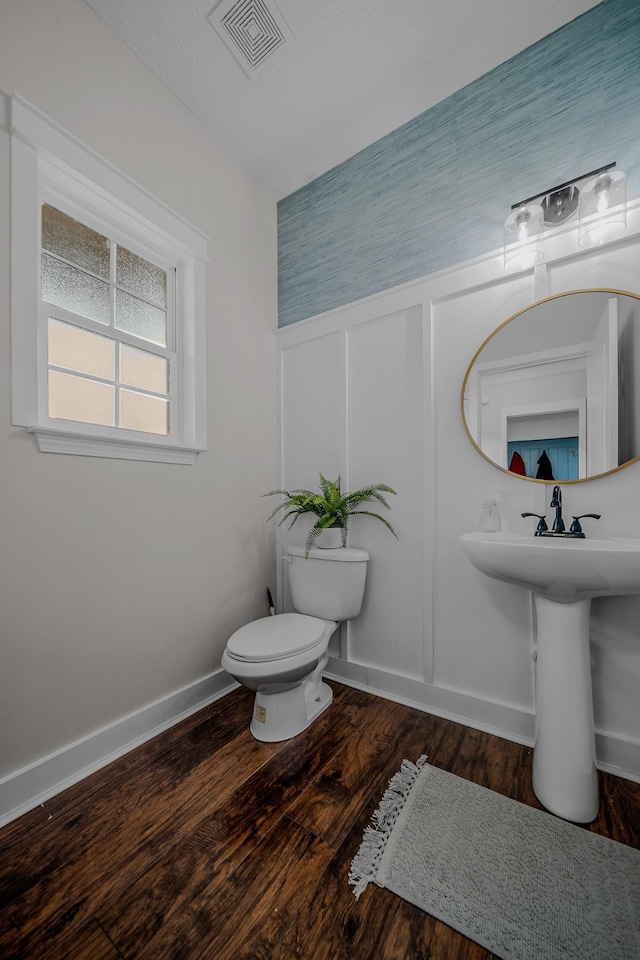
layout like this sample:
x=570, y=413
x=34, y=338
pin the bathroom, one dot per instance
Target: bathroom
x=121, y=581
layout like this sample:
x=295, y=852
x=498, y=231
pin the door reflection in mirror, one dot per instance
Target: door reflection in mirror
x=545, y=459
x=559, y=377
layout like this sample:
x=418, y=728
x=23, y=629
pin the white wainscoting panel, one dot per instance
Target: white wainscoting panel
x=353, y=404
x=311, y=374
x=483, y=627
x=433, y=630
x=384, y=437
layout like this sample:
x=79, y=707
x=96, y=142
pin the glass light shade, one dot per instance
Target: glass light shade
x=602, y=209
x=523, y=230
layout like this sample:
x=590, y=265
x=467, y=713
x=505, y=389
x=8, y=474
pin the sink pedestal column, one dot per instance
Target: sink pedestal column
x=565, y=779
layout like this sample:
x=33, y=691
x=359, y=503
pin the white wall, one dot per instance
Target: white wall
x=120, y=581
x=434, y=631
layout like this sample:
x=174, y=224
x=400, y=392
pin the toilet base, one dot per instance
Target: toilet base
x=280, y=716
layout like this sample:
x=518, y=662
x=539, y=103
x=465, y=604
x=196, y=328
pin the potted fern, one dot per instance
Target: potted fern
x=332, y=508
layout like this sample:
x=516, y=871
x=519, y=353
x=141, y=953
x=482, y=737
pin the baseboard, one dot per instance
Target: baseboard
x=621, y=758
x=34, y=784
x=495, y=718
x=618, y=757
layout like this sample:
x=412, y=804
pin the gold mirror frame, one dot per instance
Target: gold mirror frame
x=531, y=306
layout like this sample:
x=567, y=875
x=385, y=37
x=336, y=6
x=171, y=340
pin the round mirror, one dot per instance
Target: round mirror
x=551, y=394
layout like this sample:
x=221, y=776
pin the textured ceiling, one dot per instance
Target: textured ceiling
x=348, y=72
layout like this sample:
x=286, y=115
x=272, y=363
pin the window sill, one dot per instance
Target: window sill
x=51, y=440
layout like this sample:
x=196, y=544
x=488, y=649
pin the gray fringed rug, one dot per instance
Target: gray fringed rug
x=520, y=882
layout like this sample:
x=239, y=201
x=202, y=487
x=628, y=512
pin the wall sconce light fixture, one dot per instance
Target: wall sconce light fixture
x=600, y=202
x=603, y=208
x=523, y=230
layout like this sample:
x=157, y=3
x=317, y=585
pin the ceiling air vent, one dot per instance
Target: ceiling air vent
x=253, y=31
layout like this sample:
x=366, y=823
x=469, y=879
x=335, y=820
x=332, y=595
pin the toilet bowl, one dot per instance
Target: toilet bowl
x=282, y=657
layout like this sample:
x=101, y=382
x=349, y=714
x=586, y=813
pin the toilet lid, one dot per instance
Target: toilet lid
x=273, y=638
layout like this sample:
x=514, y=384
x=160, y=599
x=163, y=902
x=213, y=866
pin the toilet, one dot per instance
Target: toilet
x=282, y=657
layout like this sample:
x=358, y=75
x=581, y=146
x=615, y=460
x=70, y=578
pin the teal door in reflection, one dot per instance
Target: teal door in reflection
x=562, y=453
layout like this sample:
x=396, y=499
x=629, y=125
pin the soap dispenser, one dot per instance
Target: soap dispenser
x=490, y=519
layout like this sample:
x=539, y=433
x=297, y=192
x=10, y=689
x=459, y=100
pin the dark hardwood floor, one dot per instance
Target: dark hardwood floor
x=204, y=844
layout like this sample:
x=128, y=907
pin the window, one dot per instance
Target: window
x=108, y=329
x=108, y=306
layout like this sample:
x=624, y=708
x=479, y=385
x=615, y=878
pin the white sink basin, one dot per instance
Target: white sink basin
x=564, y=575
x=563, y=570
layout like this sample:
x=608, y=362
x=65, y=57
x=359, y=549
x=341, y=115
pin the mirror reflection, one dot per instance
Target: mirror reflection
x=551, y=394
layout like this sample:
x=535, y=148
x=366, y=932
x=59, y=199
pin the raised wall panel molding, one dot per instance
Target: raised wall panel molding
x=477, y=636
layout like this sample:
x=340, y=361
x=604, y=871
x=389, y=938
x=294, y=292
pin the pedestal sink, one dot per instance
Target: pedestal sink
x=564, y=574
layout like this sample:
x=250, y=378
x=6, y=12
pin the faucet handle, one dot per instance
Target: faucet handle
x=542, y=522
x=576, y=526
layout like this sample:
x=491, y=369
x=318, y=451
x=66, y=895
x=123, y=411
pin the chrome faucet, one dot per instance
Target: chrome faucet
x=556, y=501
x=558, y=529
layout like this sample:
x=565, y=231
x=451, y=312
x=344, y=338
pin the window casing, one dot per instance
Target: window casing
x=135, y=366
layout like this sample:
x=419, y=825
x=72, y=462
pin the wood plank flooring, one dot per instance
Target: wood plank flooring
x=204, y=844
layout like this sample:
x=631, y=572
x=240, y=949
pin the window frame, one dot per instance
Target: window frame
x=49, y=165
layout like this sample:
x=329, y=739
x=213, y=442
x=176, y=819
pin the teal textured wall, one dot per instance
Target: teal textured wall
x=435, y=192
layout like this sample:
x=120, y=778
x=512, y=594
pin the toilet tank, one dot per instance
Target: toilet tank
x=328, y=583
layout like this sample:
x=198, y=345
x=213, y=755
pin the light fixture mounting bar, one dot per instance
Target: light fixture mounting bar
x=561, y=186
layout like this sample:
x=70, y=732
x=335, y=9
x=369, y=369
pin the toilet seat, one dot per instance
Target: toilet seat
x=276, y=638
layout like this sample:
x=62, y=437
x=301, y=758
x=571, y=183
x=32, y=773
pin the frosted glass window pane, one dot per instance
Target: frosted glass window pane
x=74, y=290
x=72, y=240
x=141, y=319
x=140, y=277
x=139, y=412
x=81, y=350
x=73, y=398
x=144, y=370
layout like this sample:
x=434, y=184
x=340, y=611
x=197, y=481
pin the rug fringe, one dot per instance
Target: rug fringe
x=365, y=864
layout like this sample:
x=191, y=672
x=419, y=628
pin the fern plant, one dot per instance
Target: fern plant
x=331, y=507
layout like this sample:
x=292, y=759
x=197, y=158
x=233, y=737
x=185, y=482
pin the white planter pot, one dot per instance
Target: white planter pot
x=330, y=539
